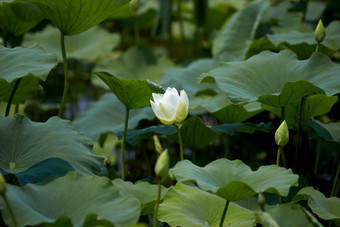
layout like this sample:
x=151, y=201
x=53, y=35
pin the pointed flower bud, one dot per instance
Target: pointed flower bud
x=320, y=32
x=2, y=184
x=261, y=200
x=282, y=134
x=170, y=107
x=162, y=164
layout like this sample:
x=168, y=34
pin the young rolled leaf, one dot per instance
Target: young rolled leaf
x=248, y=81
x=145, y=192
x=234, y=180
x=75, y=16
x=134, y=94
x=186, y=206
x=74, y=196
x=325, y=208
x=39, y=150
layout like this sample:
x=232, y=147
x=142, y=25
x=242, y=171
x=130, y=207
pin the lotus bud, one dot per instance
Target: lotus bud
x=261, y=200
x=282, y=134
x=170, y=107
x=162, y=164
x=2, y=184
x=320, y=32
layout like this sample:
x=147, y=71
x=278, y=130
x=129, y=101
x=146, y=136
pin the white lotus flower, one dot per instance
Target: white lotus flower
x=170, y=107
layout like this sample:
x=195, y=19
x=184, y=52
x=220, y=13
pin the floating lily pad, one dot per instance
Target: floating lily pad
x=18, y=17
x=90, y=45
x=233, y=180
x=145, y=192
x=45, y=147
x=134, y=94
x=74, y=196
x=248, y=81
x=325, y=208
x=75, y=16
x=232, y=40
x=108, y=115
x=189, y=206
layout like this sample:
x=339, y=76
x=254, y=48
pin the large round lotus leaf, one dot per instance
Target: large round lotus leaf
x=248, y=81
x=234, y=180
x=18, y=17
x=232, y=40
x=75, y=16
x=73, y=196
x=145, y=192
x=107, y=115
x=189, y=206
x=286, y=215
x=187, y=78
x=325, y=208
x=19, y=62
x=25, y=144
x=138, y=62
x=90, y=45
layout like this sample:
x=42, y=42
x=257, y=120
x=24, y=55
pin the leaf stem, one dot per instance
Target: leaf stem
x=180, y=143
x=127, y=110
x=157, y=202
x=15, y=224
x=66, y=76
x=9, y=103
x=304, y=12
x=224, y=213
x=335, y=180
x=317, y=157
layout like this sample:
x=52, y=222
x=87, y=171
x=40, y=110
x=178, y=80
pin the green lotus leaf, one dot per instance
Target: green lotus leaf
x=45, y=147
x=18, y=17
x=138, y=62
x=75, y=16
x=187, y=78
x=248, y=81
x=242, y=127
x=106, y=115
x=325, y=208
x=287, y=215
x=304, y=44
x=234, y=180
x=134, y=94
x=232, y=40
x=145, y=192
x=91, y=45
x=185, y=205
x=74, y=196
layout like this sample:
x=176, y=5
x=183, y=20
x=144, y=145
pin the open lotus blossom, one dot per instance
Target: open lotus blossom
x=170, y=107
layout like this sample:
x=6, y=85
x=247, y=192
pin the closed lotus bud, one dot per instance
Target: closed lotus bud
x=162, y=164
x=282, y=134
x=170, y=107
x=320, y=32
x=2, y=184
x=261, y=200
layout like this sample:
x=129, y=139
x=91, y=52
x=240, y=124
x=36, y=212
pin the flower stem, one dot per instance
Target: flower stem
x=335, y=180
x=224, y=213
x=180, y=143
x=157, y=202
x=66, y=76
x=9, y=103
x=317, y=47
x=280, y=149
x=15, y=224
x=123, y=142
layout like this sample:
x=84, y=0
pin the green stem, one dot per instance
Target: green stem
x=180, y=20
x=299, y=132
x=224, y=213
x=317, y=47
x=304, y=12
x=10, y=210
x=157, y=203
x=280, y=149
x=317, y=157
x=335, y=180
x=66, y=76
x=283, y=157
x=9, y=103
x=180, y=143
x=123, y=142
x=136, y=30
